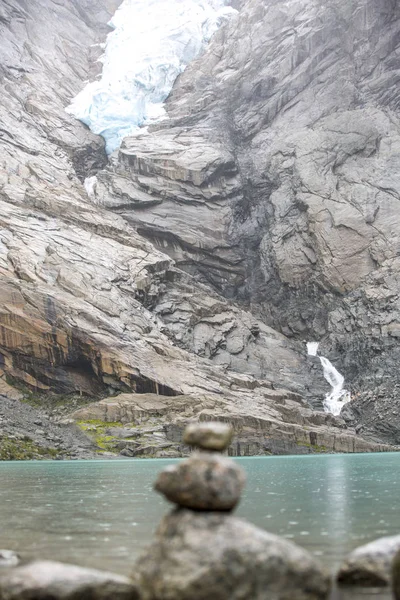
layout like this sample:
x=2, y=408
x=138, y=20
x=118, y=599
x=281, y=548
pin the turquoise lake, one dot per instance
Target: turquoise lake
x=102, y=513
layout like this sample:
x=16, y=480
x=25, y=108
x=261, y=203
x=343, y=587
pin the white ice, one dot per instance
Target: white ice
x=152, y=43
x=338, y=397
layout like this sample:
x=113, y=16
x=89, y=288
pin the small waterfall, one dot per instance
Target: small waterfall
x=338, y=397
x=312, y=348
x=90, y=186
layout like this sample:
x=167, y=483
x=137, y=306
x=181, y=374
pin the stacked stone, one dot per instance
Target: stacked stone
x=202, y=551
x=206, y=481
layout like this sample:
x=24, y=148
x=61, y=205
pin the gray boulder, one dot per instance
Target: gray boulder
x=9, y=558
x=199, y=556
x=208, y=436
x=370, y=565
x=47, y=580
x=203, y=482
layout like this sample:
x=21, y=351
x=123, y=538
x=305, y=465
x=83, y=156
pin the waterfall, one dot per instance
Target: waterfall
x=338, y=397
x=90, y=186
x=312, y=348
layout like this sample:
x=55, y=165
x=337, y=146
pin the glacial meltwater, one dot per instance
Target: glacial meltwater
x=102, y=513
x=338, y=397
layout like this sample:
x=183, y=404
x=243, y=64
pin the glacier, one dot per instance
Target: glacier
x=151, y=44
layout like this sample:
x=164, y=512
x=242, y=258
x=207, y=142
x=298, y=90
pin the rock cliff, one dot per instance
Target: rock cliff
x=276, y=181
x=263, y=213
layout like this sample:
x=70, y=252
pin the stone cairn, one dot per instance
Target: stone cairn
x=201, y=551
x=207, y=480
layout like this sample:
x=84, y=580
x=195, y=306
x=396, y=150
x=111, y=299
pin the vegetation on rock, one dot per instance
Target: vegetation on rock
x=97, y=431
x=24, y=449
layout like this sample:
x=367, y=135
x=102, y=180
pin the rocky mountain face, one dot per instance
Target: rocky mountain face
x=276, y=181
x=262, y=214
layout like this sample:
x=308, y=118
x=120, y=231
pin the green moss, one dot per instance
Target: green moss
x=25, y=449
x=32, y=399
x=96, y=429
x=98, y=424
x=314, y=447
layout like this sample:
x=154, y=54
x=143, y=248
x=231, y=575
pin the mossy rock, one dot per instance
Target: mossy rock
x=314, y=447
x=15, y=449
x=96, y=430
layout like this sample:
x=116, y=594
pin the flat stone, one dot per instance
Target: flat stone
x=371, y=564
x=217, y=556
x=208, y=436
x=9, y=558
x=203, y=482
x=47, y=580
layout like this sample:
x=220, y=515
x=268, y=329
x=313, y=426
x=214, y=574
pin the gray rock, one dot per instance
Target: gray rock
x=196, y=556
x=208, y=436
x=289, y=203
x=370, y=565
x=396, y=576
x=47, y=580
x=254, y=421
x=9, y=558
x=290, y=209
x=203, y=482
x=123, y=432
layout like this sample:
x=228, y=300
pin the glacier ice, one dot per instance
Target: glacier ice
x=151, y=44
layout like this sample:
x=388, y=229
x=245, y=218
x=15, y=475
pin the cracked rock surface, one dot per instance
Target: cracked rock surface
x=261, y=215
x=198, y=555
x=276, y=181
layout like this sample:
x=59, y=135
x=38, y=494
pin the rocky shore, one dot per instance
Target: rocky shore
x=31, y=433
x=148, y=425
x=201, y=550
x=37, y=426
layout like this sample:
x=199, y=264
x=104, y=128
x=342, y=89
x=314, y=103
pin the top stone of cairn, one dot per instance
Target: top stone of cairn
x=208, y=436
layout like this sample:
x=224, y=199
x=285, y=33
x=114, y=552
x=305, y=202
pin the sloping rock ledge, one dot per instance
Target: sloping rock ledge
x=147, y=425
